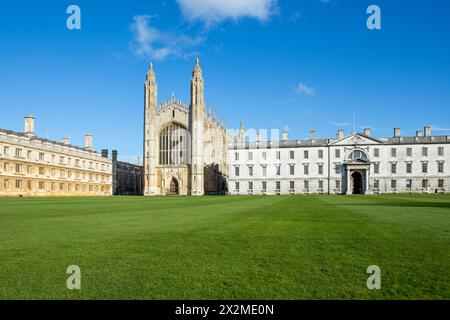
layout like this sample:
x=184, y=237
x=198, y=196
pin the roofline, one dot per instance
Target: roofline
x=359, y=134
x=307, y=143
x=23, y=135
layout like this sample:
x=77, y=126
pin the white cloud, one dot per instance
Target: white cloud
x=339, y=124
x=215, y=11
x=153, y=43
x=304, y=89
x=438, y=128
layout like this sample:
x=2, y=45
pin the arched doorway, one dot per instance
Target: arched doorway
x=174, y=190
x=357, y=183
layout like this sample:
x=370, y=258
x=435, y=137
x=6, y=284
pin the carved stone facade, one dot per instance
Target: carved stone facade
x=181, y=142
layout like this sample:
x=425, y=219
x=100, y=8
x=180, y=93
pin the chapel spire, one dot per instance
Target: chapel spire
x=196, y=123
x=150, y=72
x=197, y=70
x=241, y=132
x=150, y=99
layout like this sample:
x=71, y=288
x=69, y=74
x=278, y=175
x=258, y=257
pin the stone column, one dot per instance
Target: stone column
x=347, y=191
x=367, y=181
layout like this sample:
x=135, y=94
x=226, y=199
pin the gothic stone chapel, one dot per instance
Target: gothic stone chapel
x=185, y=149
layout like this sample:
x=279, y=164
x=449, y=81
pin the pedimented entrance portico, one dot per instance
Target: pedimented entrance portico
x=357, y=176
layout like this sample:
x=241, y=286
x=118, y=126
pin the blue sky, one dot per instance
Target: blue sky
x=299, y=64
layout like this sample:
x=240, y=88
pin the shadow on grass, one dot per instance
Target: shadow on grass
x=444, y=205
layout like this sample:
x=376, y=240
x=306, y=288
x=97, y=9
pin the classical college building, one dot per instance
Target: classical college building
x=348, y=164
x=185, y=148
x=33, y=166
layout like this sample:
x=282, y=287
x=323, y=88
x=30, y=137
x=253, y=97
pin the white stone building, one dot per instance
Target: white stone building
x=348, y=164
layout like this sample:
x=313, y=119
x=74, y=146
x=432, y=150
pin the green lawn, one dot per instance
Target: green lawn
x=279, y=247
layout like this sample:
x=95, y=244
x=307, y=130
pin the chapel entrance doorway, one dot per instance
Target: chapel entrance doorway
x=174, y=189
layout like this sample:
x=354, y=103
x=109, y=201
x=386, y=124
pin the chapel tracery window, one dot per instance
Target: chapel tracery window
x=173, y=148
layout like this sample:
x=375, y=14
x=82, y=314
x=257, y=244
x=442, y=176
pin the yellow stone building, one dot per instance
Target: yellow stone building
x=33, y=166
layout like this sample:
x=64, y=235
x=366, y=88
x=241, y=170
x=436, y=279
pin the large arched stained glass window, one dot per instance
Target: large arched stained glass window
x=173, y=145
x=357, y=155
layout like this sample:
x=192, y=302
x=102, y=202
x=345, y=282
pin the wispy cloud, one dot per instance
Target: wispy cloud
x=212, y=12
x=150, y=42
x=438, y=128
x=302, y=88
x=218, y=49
x=340, y=124
x=294, y=17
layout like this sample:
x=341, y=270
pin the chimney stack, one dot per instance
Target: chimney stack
x=312, y=134
x=396, y=132
x=367, y=132
x=340, y=134
x=66, y=141
x=427, y=131
x=419, y=133
x=114, y=155
x=285, y=136
x=88, y=141
x=105, y=153
x=29, y=126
